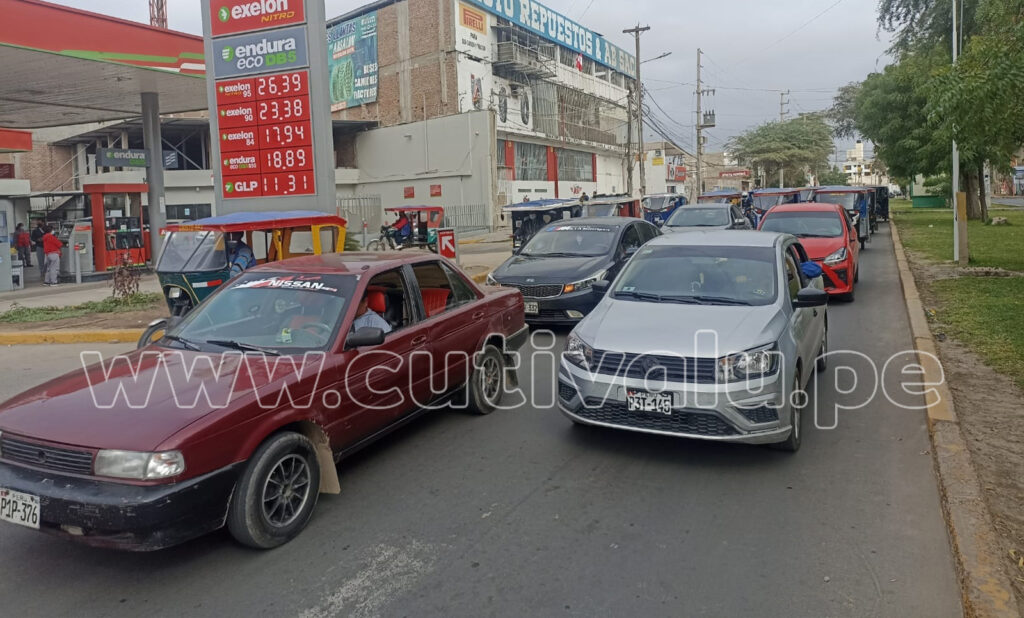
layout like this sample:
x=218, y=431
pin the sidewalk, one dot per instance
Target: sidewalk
x=66, y=294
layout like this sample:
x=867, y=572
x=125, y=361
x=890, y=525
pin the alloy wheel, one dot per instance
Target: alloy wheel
x=286, y=490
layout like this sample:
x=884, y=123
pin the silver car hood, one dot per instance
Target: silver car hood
x=644, y=327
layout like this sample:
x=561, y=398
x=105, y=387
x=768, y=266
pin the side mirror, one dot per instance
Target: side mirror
x=600, y=287
x=364, y=337
x=630, y=251
x=810, y=297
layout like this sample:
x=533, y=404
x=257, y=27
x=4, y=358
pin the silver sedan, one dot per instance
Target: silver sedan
x=710, y=335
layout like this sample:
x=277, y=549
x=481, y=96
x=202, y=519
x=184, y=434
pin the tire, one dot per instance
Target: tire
x=281, y=456
x=851, y=295
x=154, y=332
x=373, y=245
x=821, y=364
x=792, y=443
x=856, y=274
x=487, y=382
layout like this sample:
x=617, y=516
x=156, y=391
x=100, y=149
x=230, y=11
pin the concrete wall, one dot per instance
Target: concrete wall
x=455, y=152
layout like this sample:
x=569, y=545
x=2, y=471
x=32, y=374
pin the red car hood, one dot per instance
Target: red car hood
x=137, y=401
x=820, y=248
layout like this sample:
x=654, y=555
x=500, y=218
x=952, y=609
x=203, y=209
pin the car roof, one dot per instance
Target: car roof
x=615, y=222
x=706, y=205
x=807, y=207
x=717, y=238
x=349, y=262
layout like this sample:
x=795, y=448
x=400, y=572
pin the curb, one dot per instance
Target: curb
x=120, y=335
x=984, y=586
x=480, y=278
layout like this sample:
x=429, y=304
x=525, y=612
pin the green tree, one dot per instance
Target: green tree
x=798, y=146
x=833, y=177
x=842, y=114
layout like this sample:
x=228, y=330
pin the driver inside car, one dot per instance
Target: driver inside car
x=367, y=316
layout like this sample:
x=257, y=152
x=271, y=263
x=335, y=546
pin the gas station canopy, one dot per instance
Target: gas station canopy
x=65, y=66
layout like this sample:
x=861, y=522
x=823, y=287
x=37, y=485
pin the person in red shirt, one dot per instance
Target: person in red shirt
x=51, y=250
x=24, y=244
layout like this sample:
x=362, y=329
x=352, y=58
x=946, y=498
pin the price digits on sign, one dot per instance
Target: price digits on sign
x=281, y=110
x=279, y=85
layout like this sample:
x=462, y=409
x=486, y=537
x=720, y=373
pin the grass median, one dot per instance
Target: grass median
x=978, y=311
x=136, y=302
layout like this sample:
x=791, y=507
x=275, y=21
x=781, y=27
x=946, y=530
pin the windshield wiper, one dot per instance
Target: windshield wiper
x=718, y=300
x=556, y=254
x=814, y=236
x=245, y=347
x=188, y=345
x=639, y=295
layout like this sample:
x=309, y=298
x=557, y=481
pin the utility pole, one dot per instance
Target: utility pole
x=782, y=118
x=629, y=144
x=639, y=107
x=960, y=255
x=704, y=121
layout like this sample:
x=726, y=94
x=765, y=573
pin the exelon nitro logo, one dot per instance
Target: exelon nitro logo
x=267, y=10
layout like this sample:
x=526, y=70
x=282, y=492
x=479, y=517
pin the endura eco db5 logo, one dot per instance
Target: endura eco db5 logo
x=266, y=10
x=267, y=52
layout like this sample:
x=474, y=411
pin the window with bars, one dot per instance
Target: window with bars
x=575, y=166
x=531, y=161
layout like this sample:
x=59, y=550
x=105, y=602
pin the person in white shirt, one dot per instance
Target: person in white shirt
x=366, y=317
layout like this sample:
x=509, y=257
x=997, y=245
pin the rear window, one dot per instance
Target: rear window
x=804, y=224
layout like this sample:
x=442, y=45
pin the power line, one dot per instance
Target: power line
x=798, y=29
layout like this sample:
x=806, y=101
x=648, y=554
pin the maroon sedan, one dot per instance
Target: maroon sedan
x=239, y=414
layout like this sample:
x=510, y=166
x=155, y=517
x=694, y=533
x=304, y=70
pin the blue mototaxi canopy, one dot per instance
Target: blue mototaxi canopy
x=539, y=205
x=776, y=191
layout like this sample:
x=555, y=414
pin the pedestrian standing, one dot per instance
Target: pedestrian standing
x=23, y=242
x=51, y=248
x=37, y=242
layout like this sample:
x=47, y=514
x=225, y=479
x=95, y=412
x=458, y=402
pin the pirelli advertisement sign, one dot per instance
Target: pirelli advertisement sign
x=269, y=103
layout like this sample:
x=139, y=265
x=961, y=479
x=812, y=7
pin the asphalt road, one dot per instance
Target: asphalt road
x=521, y=513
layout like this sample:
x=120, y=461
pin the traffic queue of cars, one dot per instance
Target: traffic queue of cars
x=158, y=450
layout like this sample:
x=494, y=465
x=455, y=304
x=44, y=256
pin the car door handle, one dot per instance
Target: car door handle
x=479, y=314
x=420, y=340
x=815, y=311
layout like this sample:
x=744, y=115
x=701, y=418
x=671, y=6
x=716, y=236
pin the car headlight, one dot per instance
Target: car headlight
x=836, y=257
x=491, y=280
x=584, y=284
x=140, y=466
x=755, y=363
x=173, y=292
x=578, y=353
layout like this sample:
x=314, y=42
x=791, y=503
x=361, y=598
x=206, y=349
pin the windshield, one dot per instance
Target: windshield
x=657, y=203
x=571, y=240
x=846, y=200
x=713, y=199
x=804, y=224
x=764, y=202
x=276, y=312
x=700, y=275
x=193, y=252
x=699, y=217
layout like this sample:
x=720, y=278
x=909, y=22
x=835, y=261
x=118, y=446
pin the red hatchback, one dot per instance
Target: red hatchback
x=828, y=235
x=238, y=415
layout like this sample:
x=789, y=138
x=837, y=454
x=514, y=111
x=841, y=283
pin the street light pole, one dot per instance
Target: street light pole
x=639, y=106
x=956, y=164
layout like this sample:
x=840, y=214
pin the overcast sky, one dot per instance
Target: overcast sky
x=752, y=50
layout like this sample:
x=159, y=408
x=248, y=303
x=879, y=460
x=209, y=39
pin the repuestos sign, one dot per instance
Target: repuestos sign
x=231, y=16
x=247, y=54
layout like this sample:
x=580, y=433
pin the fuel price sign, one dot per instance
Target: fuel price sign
x=266, y=136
